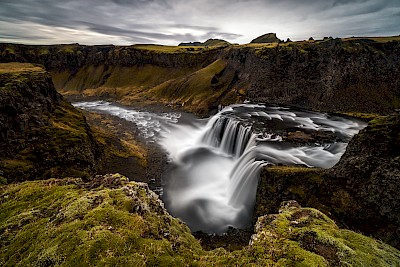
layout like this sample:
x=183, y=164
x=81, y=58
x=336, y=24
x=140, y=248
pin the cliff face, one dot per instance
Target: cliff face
x=354, y=75
x=330, y=76
x=369, y=171
x=42, y=136
x=361, y=191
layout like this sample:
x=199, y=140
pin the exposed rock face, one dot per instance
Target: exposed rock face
x=330, y=76
x=360, y=192
x=350, y=75
x=266, y=38
x=369, y=172
x=42, y=136
x=73, y=57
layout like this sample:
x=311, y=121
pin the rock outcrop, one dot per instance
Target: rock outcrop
x=209, y=42
x=360, y=192
x=266, y=38
x=114, y=222
x=42, y=135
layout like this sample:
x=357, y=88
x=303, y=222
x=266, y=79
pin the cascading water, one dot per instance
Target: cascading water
x=213, y=182
x=215, y=165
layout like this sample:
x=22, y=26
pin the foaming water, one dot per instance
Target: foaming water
x=149, y=124
x=216, y=165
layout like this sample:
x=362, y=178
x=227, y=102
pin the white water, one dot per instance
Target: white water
x=216, y=163
x=149, y=124
x=213, y=182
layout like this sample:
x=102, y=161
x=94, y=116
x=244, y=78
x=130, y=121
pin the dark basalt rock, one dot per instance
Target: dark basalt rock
x=360, y=192
x=369, y=172
x=42, y=135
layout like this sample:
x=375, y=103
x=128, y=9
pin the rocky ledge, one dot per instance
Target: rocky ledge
x=110, y=221
x=360, y=192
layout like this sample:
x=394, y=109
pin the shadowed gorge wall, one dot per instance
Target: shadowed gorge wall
x=348, y=75
x=360, y=191
x=42, y=135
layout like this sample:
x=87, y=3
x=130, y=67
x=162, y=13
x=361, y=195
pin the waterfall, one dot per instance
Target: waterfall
x=229, y=135
x=213, y=184
x=237, y=141
x=215, y=164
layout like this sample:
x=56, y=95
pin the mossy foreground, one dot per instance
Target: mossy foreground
x=110, y=221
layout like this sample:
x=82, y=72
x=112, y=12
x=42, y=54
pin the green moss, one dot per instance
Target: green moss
x=46, y=223
x=362, y=116
x=60, y=223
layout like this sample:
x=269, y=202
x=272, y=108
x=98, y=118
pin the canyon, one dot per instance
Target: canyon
x=44, y=137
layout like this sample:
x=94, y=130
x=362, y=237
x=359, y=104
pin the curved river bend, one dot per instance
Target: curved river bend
x=216, y=162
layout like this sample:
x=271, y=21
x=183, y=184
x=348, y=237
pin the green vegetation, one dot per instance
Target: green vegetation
x=120, y=223
x=200, y=90
x=59, y=223
x=62, y=148
x=15, y=68
x=280, y=183
x=362, y=116
x=376, y=39
x=173, y=49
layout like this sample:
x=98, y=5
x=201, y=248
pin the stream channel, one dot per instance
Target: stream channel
x=215, y=163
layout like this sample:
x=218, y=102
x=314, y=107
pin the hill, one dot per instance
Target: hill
x=209, y=42
x=266, y=38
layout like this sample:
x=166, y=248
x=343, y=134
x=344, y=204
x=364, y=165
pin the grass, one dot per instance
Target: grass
x=199, y=90
x=376, y=39
x=46, y=223
x=174, y=49
x=19, y=67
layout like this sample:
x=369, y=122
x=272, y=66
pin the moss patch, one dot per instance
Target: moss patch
x=111, y=221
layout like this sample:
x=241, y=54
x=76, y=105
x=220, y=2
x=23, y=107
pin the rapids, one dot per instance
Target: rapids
x=216, y=163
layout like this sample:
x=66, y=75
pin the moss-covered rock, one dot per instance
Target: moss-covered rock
x=109, y=221
x=42, y=135
x=116, y=223
x=306, y=237
x=360, y=192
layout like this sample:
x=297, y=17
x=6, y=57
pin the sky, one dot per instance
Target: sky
x=169, y=22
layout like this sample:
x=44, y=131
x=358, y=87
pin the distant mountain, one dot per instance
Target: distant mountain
x=266, y=38
x=209, y=42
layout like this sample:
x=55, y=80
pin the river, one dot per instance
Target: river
x=216, y=162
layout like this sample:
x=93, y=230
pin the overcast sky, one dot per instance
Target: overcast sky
x=125, y=22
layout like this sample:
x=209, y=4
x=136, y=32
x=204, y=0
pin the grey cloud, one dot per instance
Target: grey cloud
x=174, y=21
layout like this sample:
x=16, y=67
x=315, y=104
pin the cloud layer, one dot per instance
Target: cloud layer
x=173, y=21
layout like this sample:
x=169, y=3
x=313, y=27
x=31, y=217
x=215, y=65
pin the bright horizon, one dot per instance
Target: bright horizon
x=170, y=22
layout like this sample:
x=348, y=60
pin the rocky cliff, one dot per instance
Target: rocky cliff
x=332, y=75
x=360, y=192
x=348, y=75
x=42, y=135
